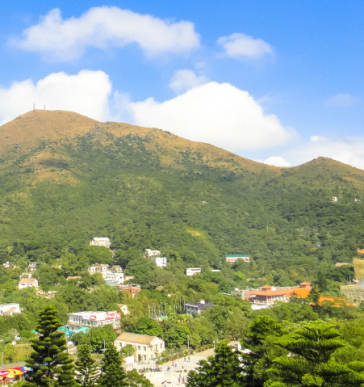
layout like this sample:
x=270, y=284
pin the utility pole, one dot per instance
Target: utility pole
x=188, y=342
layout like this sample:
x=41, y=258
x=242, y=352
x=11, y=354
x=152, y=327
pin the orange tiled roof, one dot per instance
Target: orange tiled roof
x=301, y=293
x=360, y=251
x=305, y=284
x=338, y=301
x=280, y=292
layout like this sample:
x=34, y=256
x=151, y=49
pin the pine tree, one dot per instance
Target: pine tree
x=221, y=370
x=85, y=366
x=258, y=358
x=50, y=362
x=311, y=364
x=113, y=375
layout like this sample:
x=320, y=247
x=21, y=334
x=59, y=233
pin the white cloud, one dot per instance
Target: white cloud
x=218, y=114
x=343, y=100
x=104, y=27
x=278, y=161
x=183, y=80
x=318, y=138
x=346, y=150
x=86, y=93
x=243, y=46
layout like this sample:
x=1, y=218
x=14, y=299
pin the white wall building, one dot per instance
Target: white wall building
x=103, y=242
x=152, y=253
x=192, y=271
x=92, y=320
x=28, y=283
x=113, y=274
x=146, y=347
x=160, y=261
x=32, y=266
x=9, y=309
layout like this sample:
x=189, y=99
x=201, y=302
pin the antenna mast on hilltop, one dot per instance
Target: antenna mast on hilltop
x=33, y=107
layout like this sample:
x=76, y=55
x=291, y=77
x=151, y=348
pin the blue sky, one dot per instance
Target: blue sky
x=279, y=82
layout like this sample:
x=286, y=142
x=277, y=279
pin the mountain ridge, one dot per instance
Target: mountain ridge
x=28, y=128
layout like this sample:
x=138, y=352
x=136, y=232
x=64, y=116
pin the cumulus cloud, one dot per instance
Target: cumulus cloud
x=318, y=138
x=104, y=27
x=343, y=100
x=278, y=161
x=243, y=46
x=219, y=114
x=183, y=80
x=86, y=93
x=345, y=149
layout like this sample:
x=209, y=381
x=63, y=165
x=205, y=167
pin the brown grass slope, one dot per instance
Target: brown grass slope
x=26, y=130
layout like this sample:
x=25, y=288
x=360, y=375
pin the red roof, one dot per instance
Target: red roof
x=305, y=284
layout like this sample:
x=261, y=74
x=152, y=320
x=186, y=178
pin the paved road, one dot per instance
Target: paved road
x=175, y=372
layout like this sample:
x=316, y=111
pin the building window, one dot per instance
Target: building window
x=145, y=349
x=161, y=346
x=145, y=357
x=138, y=347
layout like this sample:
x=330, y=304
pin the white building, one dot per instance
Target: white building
x=124, y=308
x=160, y=261
x=114, y=274
x=192, y=271
x=9, y=309
x=28, y=283
x=335, y=199
x=103, y=242
x=92, y=320
x=152, y=253
x=146, y=347
x=32, y=266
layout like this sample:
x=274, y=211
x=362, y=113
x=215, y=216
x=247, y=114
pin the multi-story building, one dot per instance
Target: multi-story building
x=102, y=242
x=197, y=307
x=191, y=271
x=152, y=253
x=92, y=320
x=231, y=258
x=28, y=283
x=132, y=290
x=112, y=276
x=9, y=309
x=146, y=347
x=32, y=266
x=160, y=261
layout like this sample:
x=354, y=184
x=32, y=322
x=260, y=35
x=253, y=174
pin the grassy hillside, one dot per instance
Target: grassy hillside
x=65, y=178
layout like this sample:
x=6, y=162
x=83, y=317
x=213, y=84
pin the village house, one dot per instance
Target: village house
x=191, y=271
x=9, y=309
x=160, y=261
x=131, y=290
x=197, y=307
x=152, y=253
x=28, y=283
x=92, y=320
x=231, y=258
x=146, y=347
x=101, y=242
x=32, y=266
x=113, y=276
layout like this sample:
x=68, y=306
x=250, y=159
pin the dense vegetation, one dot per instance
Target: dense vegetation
x=57, y=196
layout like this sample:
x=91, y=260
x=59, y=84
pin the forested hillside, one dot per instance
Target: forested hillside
x=65, y=179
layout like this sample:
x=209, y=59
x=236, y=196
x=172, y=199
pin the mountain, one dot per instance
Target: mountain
x=65, y=178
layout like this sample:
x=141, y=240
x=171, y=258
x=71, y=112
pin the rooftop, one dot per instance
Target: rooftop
x=25, y=280
x=101, y=239
x=135, y=338
x=236, y=255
